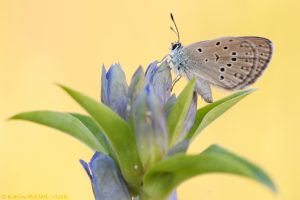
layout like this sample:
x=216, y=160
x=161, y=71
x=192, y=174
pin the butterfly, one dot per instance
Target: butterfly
x=231, y=63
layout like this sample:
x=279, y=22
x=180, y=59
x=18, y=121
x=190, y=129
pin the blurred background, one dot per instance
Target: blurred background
x=44, y=42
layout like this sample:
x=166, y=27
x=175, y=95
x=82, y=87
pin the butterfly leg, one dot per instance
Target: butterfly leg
x=164, y=59
x=177, y=78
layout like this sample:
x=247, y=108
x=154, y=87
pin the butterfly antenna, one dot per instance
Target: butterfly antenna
x=177, y=31
x=172, y=29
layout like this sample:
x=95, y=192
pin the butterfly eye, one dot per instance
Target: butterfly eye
x=175, y=45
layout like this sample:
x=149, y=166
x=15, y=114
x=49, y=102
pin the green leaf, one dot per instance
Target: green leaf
x=95, y=129
x=168, y=174
x=179, y=112
x=66, y=123
x=209, y=113
x=91, y=125
x=117, y=131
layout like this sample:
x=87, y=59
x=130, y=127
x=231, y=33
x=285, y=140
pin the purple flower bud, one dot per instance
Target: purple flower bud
x=104, y=86
x=137, y=85
x=105, y=178
x=161, y=81
x=150, y=127
x=150, y=71
x=114, y=89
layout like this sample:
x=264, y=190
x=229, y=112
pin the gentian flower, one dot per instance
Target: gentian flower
x=141, y=132
x=116, y=94
x=145, y=105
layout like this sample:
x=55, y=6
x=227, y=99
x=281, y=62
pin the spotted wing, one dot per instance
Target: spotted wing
x=228, y=62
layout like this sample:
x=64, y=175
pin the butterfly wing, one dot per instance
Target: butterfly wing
x=228, y=62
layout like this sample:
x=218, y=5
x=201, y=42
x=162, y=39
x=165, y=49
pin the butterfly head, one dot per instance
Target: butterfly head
x=175, y=45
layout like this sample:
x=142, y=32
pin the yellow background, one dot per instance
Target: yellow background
x=43, y=42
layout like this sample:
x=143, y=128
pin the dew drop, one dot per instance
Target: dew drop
x=128, y=107
x=135, y=167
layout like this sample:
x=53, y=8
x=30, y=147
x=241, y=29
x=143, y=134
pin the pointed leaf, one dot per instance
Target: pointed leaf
x=179, y=111
x=189, y=118
x=163, y=178
x=209, y=113
x=169, y=105
x=66, y=123
x=118, y=133
x=92, y=125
